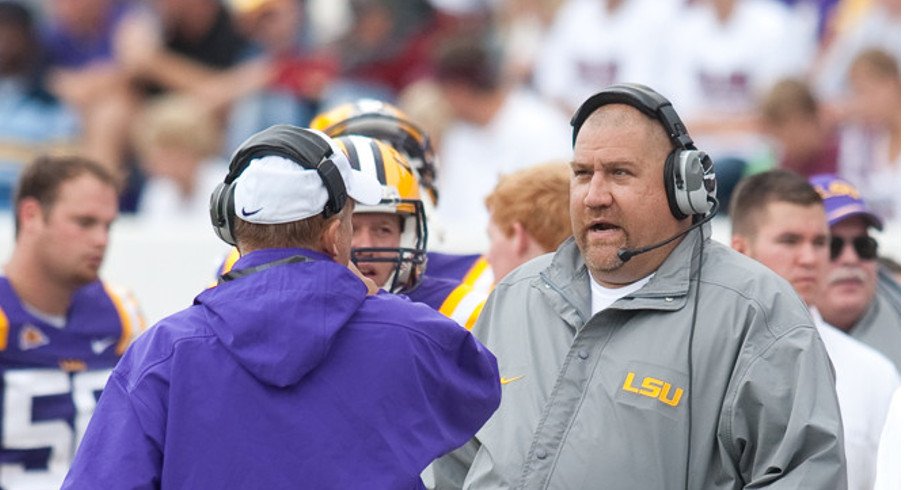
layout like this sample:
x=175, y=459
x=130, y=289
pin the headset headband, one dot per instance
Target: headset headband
x=305, y=148
x=642, y=98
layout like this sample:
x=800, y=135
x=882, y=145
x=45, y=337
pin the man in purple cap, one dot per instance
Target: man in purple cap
x=290, y=373
x=854, y=298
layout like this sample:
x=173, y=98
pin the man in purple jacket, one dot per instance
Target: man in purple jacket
x=289, y=374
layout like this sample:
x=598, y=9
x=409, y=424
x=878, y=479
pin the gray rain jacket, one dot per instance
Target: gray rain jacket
x=605, y=402
x=880, y=326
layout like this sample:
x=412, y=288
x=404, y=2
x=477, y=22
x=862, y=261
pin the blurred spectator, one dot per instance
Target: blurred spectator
x=192, y=47
x=596, y=43
x=528, y=215
x=523, y=30
x=80, y=33
x=423, y=101
x=300, y=72
x=202, y=31
x=80, y=40
x=877, y=26
x=32, y=120
x=805, y=141
x=870, y=155
x=725, y=54
x=386, y=47
x=853, y=297
x=819, y=13
x=178, y=143
x=497, y=128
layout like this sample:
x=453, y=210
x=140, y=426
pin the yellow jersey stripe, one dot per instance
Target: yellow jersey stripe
x=474, y=314
x=476, y=270
x=451, y=301
x=469, y=308
x=4, y=329
x=228, y=264
x=230, y=261
x=124, y=318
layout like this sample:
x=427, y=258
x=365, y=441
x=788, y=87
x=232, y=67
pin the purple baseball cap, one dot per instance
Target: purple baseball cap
x=842, y=200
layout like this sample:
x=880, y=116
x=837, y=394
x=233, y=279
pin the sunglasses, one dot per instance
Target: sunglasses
x=866, y=247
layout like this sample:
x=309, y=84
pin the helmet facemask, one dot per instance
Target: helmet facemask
x=410, y=257
x=402, y=201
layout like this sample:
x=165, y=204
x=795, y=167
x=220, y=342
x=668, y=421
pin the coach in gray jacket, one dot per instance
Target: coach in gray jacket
x=631, y=361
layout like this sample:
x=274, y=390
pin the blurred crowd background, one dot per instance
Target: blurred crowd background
x=162, y=91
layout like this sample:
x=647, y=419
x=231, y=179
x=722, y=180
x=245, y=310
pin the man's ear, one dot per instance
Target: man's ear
x=739, y=244
x=29, y=212
x=329, y=239
x=520, y=237
x=526, y=246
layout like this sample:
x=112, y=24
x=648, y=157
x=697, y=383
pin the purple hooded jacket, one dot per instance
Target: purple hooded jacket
x=290, y=377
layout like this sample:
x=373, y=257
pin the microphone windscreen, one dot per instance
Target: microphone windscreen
x=625, y=254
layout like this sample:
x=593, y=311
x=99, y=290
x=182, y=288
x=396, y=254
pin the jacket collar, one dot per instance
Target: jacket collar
x=263, y=256
x=567, y=276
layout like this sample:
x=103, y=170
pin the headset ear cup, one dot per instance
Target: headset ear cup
x=671, y=188
x=690, y=183
x=216, y=215
x=709, y=176
x=698, y=180
x=222, y=202
x=229, y=213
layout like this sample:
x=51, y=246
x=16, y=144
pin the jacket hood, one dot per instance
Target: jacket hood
x=280, y=321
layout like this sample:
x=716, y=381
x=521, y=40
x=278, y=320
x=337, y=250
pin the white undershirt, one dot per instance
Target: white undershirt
x=58, y=321
x=602, y=297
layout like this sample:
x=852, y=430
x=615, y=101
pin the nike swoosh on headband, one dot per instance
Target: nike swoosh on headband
x=251, y=213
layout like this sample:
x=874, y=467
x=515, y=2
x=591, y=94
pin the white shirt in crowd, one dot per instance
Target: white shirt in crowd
x=526, y=131
x=888, y=466
x=865, y=382
x=717, y=69
x=588, y=47
x=876, y=28
x=163, y=203
x=864, y=160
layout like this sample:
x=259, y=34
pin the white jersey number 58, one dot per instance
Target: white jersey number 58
x=22, y=433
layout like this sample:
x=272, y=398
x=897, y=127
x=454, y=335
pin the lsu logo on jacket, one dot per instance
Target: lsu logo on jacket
x=653, y=388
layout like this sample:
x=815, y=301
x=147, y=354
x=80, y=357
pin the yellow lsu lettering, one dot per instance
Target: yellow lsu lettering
x=653, y=388
x=838, y=188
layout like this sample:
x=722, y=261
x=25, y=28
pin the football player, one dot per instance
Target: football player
x=62, y=329
x=385, y=122
x=389, y=243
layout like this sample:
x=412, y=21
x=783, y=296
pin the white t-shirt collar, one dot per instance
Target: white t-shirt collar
x=602, y=297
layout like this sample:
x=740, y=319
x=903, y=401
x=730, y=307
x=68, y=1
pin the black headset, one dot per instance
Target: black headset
x=307, y=148
x=689, y=174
